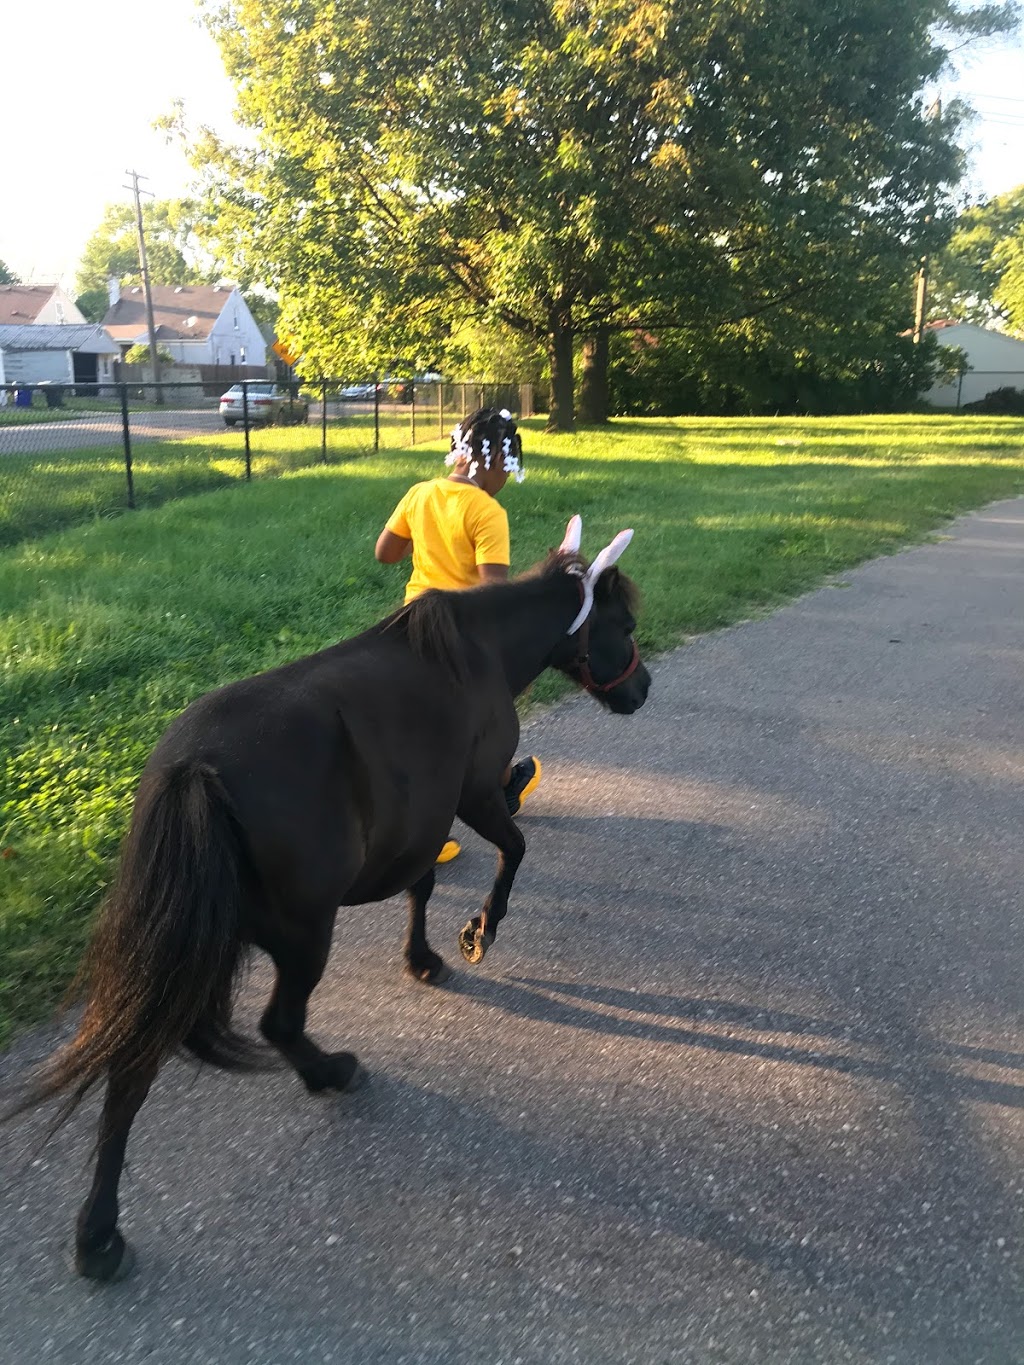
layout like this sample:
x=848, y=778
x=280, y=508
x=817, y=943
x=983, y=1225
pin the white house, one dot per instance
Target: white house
x=996, y=362
x=69, y=353
x=22, y=304
x=197, y=324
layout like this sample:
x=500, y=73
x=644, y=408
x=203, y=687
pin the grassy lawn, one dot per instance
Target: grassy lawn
x=51, y=489
x=108, y=629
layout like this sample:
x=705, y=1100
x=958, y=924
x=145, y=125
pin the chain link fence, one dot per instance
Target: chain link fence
x=70, y=453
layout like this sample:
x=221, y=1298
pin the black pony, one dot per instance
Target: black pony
x=331, y=781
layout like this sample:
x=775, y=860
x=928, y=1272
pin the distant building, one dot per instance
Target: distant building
x=56, y=353
x=197, y=324
x=996, y=362
x=36, y=304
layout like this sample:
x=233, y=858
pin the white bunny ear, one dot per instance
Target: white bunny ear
x=604, y=560
x=609, y=555
x=573, y=535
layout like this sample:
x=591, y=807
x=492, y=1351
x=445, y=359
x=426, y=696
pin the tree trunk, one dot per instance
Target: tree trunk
x=593, y=406
x=561, y=415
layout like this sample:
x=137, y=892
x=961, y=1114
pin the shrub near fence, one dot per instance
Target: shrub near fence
x=99, y=450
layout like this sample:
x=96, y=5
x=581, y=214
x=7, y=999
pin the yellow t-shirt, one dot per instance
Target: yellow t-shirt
x=453, y=528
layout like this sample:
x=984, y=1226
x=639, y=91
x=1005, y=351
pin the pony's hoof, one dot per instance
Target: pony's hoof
x=474, y=942
x=337, y=1071
x=107, y=1264
x=429, y=973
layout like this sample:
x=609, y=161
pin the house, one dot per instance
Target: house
x=197, y=324
x=996, y=362
x=22, y=304
x=69, y=353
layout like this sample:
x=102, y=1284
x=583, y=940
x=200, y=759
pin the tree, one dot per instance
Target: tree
x=7, y=276
x=113, y=250
x=139, y=355
x=579, y=169
x=979, y=277
x=93, y=304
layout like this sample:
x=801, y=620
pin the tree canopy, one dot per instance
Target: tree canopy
x=979, y=277
x=7, y=276
x=573, y=170
x=171, y=246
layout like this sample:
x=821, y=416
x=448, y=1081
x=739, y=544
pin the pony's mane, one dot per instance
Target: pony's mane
x=431, y=625
x=433, y=633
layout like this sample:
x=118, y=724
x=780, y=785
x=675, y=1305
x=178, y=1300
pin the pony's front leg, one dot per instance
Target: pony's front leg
x=421, y=962
x=489, y=816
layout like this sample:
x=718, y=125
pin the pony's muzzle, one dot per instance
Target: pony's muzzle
x=630, y=695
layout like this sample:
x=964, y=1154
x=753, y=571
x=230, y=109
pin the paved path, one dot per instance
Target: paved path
x=742, y=1080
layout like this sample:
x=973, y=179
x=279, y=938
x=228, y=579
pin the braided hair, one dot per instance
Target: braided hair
x=487, y=435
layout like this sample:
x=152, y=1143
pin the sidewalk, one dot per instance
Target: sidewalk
x=741, y=1080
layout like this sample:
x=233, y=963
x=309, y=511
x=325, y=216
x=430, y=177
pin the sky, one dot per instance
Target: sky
x=91, y=83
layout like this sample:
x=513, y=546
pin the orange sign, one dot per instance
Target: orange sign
x=282, y=352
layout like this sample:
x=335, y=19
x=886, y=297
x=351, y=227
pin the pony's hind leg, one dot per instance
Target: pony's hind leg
x=300, y=960
x=421, y=962
x=488, y=816
x=101, y=1253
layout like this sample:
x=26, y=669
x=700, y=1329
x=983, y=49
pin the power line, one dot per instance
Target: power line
x=1003, y=99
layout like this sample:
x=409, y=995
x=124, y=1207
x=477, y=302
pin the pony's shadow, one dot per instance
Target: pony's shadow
x=661, y=1018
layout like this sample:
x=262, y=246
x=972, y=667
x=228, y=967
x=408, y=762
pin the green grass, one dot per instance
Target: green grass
x=49, y=490
x=110, y=628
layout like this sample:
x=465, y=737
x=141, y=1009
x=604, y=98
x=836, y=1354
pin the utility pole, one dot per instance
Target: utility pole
x=921, y=301
x=144, y=268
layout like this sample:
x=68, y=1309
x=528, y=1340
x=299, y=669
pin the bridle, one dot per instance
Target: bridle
x=580, y=665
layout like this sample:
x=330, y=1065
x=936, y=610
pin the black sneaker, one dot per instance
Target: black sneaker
x=523, y=781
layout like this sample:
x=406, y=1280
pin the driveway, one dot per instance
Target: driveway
x=741, y=1080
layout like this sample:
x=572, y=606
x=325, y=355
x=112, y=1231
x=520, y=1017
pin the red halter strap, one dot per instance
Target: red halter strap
x=582, y=661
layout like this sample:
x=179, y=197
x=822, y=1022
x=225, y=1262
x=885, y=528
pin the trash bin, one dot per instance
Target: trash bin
x=22, y=398
x=54, y=394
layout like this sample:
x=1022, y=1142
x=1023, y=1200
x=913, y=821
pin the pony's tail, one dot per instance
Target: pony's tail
x=160, y=970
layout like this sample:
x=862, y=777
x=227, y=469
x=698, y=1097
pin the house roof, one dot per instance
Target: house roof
x=181, y=313
x=977, y=329
x=21, y=303
x=87, y=337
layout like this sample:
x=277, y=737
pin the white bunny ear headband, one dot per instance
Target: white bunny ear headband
x=604, y=560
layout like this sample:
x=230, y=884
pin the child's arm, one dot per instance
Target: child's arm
x=490, y=542
x=492, y=573
x=391, y=548
x=395, y=541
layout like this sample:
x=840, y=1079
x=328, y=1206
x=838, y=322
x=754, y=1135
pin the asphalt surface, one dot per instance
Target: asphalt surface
x=741, y=1080
x=104, y=429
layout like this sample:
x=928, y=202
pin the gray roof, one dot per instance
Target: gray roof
x=70, y=336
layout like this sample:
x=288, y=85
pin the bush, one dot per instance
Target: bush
x=1008, y=401
x=139, y=355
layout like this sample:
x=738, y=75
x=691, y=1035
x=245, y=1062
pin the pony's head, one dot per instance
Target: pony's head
x=600, y=653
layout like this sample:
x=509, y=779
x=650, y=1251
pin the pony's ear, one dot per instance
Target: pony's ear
x=604, y=588
x=573, y=535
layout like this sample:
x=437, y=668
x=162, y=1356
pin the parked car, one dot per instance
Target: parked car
x=266, y=403
x=357, y=393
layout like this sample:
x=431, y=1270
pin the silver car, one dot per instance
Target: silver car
x=266, y=403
